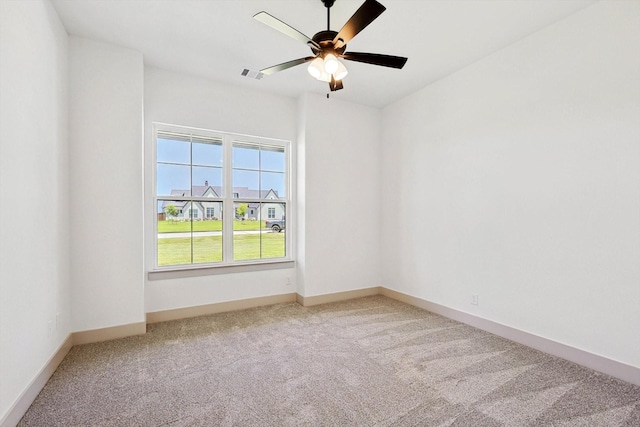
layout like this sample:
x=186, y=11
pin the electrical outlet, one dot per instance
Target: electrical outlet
x=474, y=299
x=289, y=281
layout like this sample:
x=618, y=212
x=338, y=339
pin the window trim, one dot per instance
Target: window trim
x=209, y=270
x=156, y=272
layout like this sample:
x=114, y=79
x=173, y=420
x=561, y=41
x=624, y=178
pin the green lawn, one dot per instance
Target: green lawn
x=185, y=226
x=173, y=251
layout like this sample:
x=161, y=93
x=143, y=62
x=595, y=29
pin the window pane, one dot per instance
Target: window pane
x=207, y=152
x=173, y=180
x=186, y=234
x=246, y=184
x=273, y=181
x=246, y=231
x=272, y=158
x=207, y=247
x=246, y=212
x=259, y=231
x=212, y=210
x=173, y=149
x=174, y=249
x=207, y=182
x=170, y=210
x=174, y=233
x=246, y=155
x=273, y=243
x=207, y=232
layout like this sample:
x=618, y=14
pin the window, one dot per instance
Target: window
x=227, y=185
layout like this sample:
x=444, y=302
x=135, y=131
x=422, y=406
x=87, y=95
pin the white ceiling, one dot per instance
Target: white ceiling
x=217, y=39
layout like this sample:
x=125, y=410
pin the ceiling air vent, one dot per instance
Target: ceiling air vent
x=252, y=74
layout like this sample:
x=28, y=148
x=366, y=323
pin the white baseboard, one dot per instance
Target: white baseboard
x=26, y=398
x=110, y=333
x=596, y=362
x=338, y=296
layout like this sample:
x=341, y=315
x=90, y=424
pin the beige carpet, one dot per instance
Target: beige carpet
x=366, y=362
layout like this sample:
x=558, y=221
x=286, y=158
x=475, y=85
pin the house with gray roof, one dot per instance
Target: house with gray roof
x=201, y=210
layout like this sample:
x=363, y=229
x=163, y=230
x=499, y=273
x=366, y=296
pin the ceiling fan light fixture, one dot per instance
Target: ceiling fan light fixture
x=331, y=63
x=341, y=72
x=316, y=68
x=329, y=46
x=325, y=77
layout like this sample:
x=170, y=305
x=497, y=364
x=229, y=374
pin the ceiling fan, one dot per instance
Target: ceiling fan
x=329, y=46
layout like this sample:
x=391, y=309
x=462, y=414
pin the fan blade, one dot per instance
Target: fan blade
x=287, y=29
x=285, y=65
x=364, y=16
x=376, y=59
x=335, y=84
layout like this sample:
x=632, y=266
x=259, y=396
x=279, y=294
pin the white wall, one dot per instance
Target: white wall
x=336, y=249
x=518, y=179
x=107, y=269
x=191, y=101
x=301, y=199
x=340, y=163
x=34, y=250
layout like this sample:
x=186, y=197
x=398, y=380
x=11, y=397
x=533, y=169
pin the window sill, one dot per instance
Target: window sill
x=179, y=273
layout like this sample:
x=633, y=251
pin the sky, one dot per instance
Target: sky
x=253, y=168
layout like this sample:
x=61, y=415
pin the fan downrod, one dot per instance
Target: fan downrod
x=328, y=4
x=325, y=38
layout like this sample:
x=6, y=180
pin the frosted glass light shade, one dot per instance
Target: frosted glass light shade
x=320, y=68
x=331, y=63
x=316, y=68
x=325, y=77
x=341, y=72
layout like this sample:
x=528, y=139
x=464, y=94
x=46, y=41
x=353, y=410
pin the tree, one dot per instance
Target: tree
x=241, y=210
x=171, y=210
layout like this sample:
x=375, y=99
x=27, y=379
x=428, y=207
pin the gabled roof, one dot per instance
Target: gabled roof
x=215, y=192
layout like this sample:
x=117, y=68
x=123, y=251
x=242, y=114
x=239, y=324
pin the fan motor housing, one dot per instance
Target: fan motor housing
x=325, y=40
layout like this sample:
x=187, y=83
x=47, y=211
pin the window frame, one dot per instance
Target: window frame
x=228, y=201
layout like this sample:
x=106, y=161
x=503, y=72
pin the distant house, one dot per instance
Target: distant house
x=200, y=210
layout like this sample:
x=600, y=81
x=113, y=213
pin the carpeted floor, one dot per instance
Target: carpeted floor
x=366, y=362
